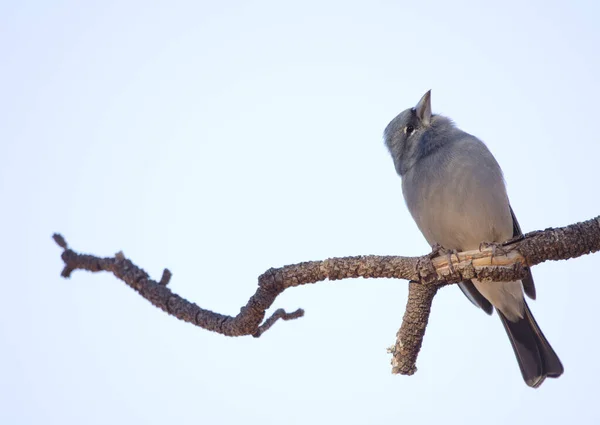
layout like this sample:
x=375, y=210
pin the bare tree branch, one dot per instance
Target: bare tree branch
x=496, y=262
x=410, y=336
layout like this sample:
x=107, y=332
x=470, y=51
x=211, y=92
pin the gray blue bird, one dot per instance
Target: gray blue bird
x=455, y=191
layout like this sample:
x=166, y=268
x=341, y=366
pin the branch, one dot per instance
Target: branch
x=410, y=336
x=496, y=262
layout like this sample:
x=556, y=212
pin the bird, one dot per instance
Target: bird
x=455, y=191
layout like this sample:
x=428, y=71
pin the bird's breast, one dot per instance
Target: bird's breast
x=458, y=201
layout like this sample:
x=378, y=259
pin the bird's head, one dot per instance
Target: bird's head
x=403, y=133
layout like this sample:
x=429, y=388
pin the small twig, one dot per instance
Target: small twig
x=166, y=277
x=278, y=314
x=60, y=241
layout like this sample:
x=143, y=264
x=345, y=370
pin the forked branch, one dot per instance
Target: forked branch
x=502, y=262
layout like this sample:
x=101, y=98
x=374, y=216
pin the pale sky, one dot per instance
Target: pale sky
x=219, y=139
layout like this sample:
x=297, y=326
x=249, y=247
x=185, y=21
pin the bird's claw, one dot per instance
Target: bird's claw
x=438, y=250
x=495, y=249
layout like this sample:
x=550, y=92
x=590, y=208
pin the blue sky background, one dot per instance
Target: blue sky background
x=219, y=139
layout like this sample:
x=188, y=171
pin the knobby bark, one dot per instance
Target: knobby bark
x=494, y=262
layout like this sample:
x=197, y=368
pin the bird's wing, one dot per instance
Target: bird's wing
x=528, y=284
x=475, y=296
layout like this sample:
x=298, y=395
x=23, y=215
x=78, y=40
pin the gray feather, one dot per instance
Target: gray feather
x=475, y=296
x=528, y=284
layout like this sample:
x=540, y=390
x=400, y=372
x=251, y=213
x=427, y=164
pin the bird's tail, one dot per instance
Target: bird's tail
x=536, y=357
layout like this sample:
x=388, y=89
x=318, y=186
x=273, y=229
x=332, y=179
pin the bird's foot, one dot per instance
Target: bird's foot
x=496, y=249
x=438, y=250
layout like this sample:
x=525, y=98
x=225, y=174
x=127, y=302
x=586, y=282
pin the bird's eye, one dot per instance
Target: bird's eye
x=408, y=130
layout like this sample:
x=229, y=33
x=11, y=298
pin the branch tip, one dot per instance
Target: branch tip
x=66, y=272
x=60, y=241
x=166, y=277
